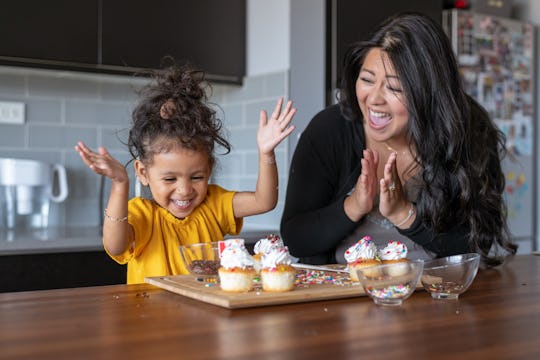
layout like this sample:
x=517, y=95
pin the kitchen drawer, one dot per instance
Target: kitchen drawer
x=59, y=270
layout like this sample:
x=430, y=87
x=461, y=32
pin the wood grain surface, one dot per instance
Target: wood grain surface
x=497, y=318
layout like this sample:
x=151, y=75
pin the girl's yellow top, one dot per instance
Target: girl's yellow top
x=158, y=234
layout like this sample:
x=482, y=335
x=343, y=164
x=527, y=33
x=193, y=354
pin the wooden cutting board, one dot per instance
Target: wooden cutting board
x=211, y=293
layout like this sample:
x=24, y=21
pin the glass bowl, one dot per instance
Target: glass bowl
x=447, y=278
x=390, y=284
x=201, y=259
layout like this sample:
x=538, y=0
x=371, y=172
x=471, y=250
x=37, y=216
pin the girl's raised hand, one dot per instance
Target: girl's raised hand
x=102, y=163
x=272, y=131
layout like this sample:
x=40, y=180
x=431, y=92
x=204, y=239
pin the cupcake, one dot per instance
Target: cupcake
x=263, y=246
x=395, y=252
x=277, y=274
x=236, y=271
x=361, y=255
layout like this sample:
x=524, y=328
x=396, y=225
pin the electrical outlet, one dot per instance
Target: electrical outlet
x=11, y=112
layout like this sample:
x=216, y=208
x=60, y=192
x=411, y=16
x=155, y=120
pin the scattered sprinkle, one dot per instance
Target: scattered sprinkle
x=304, y=278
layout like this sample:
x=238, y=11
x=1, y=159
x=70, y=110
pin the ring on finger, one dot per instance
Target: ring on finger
x=392, y=186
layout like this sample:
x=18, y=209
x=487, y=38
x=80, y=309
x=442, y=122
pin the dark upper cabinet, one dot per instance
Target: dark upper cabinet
x=208, y=33
x=52, y=30
x=125, y=36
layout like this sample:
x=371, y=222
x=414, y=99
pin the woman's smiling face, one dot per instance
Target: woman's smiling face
x=381, y=99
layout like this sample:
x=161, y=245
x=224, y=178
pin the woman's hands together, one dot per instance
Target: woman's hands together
x=360, y=202
x=392, y=200
x=393, y=204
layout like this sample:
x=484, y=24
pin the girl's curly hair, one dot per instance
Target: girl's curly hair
x=174, y=112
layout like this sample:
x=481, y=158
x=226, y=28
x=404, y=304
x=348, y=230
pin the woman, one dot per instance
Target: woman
x=403, y=118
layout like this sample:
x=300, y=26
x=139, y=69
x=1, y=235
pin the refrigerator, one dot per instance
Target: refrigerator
x=496, y=57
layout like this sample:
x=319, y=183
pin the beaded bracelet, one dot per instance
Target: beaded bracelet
x=114, y=219
x=409, y=214
x=270, y=160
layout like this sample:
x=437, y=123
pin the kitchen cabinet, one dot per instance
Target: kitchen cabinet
x=208, y=33
x=56, y=257
x=52, y=31
x=126, y=36
x=28, y=272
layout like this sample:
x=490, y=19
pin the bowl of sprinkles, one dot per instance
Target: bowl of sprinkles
x=201, y=259
x=389, y=287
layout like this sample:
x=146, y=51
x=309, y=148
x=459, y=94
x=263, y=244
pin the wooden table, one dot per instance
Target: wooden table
x=498, y=318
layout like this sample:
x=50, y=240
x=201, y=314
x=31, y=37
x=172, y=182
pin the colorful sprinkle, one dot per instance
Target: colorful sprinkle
x=389, y=292
x=304, y=278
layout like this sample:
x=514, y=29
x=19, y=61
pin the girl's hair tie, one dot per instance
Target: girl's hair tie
x=167, y=110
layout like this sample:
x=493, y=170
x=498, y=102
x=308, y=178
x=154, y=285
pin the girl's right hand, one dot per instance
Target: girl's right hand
x=102, y=163
x=276, y=128
x=360, y=202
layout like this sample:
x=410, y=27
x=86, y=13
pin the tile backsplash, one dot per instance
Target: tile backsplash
x=64, y=107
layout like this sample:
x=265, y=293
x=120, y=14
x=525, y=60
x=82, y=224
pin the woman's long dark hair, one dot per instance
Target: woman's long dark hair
x=457, y=146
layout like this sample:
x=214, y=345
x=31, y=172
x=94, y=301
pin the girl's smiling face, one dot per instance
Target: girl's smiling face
x=178, y=179
x=381, y=100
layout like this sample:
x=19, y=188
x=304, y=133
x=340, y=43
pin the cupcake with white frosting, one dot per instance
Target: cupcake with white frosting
x=263, y=246
x=277, y=274
x=394, y=252
x=236, y=271
x=362, y=255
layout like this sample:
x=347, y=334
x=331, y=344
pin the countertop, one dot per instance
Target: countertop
x=75, y=239
x=50, y=240
x=497, y=318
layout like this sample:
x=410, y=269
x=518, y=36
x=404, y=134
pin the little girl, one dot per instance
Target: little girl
x=172, y=141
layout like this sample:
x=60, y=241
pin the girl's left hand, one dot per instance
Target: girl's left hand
x=272, y=131
x=392, y=201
